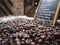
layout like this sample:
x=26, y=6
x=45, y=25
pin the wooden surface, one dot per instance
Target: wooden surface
x=16, y=4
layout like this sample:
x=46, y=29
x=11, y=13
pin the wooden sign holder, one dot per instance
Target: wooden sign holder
x=56, y=14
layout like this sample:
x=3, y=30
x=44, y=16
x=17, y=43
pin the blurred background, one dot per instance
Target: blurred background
x=21, y=7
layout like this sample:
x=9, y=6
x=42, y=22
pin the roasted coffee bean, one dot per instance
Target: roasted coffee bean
x=23, y=31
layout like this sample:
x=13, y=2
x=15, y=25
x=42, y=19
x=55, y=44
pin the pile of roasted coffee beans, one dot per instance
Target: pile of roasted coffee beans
x=28, y=32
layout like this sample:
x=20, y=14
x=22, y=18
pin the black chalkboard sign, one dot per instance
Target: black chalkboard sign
x=47, y=9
